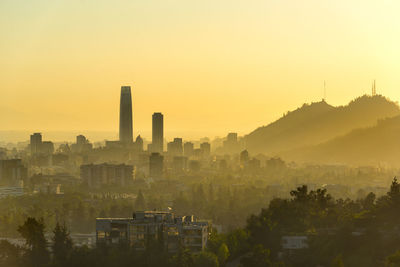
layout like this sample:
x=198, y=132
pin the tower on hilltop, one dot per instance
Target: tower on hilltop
x=374, y=88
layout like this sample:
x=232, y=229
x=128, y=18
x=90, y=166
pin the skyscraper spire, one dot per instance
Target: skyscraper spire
x=125, y=116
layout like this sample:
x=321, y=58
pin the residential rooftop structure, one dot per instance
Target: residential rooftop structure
x=175, y=148
x=82, y=145
x=294, y=242
x=12, y=172
x=11, y=191
x=96, y=175
x=146, y=227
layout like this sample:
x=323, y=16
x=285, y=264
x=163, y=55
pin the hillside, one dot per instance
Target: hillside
x=319, y=122
x=375, y=145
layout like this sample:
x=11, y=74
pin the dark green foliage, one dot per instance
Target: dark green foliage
x=337, y=262
x=33, y=233
x=9, y=254
x=361, y=232
x=223, y=254
x=182, y=259
x=62, y=246
x=258, y=257
x=393, y=260
x=206, y=259
x=340, y=232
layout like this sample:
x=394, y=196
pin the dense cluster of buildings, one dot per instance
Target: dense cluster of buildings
x=153, y=162
x=145, y=227
x=118, y=162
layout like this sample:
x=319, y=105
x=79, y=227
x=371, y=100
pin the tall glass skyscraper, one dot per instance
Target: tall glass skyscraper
x=125, y=116
x=158, y=133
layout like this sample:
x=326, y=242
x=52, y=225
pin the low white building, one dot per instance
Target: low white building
x=11, y=191
x=294, y=242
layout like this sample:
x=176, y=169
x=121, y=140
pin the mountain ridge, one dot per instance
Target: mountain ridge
x=375, y=145
x=319, y=122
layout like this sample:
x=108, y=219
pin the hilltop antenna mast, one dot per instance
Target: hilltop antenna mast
x=324, y=99
x=374, y=88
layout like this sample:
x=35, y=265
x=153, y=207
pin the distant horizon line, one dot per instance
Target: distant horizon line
x=170, y=134
x=106, y=135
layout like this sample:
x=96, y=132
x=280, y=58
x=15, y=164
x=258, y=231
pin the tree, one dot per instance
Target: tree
x=237, y=242
x=223, y=254
x=394, y=193
x=9, y=254
x=369, y=201
x=337, y=261
x=259, y=257
x=387, y=206
x=182, y=259
x=300, y=194
x=393, y=260
x=266, y=229
x=82, y=256
x=33, y=233
x=62, y=245
x=206, y=259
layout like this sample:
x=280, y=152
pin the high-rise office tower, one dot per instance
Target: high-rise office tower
x=125, y=116
x=205, y=149
x=81, y=140
x=178, y=146
x=47, y=147
x=231, y=144
x=232, y=138
x=175, y=148
x=158, y=133
x=36, y=143
x=139, y=143
x=82, y=144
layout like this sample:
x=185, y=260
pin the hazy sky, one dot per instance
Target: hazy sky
x=210, y=66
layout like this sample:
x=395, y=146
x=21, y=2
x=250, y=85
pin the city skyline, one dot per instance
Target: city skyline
x=126, y=134
x=199, y=133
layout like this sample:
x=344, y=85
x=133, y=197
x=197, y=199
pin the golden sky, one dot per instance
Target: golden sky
x=210, y=66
